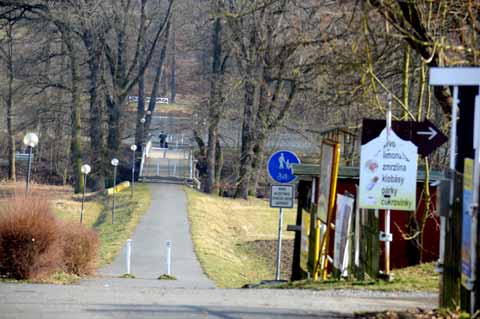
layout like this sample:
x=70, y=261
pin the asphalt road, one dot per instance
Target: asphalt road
x=192, y=295
x=138, y=301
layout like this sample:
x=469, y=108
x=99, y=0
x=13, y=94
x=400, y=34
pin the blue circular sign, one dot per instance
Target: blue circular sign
x=280, y=166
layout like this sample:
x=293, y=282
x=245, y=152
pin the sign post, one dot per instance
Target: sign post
x=280, y=169
x=388, y=177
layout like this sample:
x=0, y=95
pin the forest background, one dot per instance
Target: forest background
x=309, y=66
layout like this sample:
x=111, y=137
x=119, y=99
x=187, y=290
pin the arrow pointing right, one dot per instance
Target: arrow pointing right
x=431, y=133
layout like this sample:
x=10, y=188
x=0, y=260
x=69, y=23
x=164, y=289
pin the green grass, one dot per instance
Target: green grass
x=221, y=230
x=128, y=212
x=416, y=278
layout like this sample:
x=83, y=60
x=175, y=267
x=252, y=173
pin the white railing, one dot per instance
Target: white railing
x=161, y=100
x=145, y=152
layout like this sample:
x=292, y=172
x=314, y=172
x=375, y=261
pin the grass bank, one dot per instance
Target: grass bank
x=235, y=243
x=223, y=231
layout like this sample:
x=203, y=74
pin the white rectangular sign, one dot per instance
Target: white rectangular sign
x=281, y=196
x=342, y=233
x=388, y=173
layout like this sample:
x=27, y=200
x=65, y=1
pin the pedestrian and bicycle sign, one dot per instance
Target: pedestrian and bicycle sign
x=280, y=166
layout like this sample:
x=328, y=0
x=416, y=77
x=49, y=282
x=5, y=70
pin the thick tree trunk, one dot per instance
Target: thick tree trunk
x=96, y=133
x=10, y=110
x=173, y=82
x=140, y=127
x=75, y=142
x=215, y=106
x=248, y=142
x=211, y=154
x=218, y=166
x=114, y=138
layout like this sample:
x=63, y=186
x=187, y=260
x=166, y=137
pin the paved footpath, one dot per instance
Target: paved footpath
x=166, y=219
x=192, y=295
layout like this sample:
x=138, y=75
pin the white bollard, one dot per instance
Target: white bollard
x=129, y=254
x=169, y=256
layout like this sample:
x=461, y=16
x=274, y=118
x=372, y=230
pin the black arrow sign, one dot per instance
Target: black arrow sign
x=423, y=134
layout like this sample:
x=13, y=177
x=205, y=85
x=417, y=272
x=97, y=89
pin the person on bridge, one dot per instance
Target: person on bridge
x=163, y=139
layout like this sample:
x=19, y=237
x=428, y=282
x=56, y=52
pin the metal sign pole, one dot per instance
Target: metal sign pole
x=387, y=212
x=279, y=245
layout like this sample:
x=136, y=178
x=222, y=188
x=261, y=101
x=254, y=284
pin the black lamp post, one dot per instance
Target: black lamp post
x=85, y=170
x=114, y=162
x=133, y=148
x=30, y=140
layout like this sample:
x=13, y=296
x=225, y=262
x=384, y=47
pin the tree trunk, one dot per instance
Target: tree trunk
x=159, y=73
x=215, y=105
x=211, y=154
x=10, y=108
x=75, y=142
x=96, y=133
x=173, y=83
x=246, y=155
x=218, y=166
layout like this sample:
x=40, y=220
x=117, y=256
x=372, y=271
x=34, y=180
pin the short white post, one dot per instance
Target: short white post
x=169, y=256
x=129, y=254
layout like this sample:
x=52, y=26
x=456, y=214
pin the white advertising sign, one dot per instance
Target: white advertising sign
x=388, y=173
x=342, y=232
x=281, y=196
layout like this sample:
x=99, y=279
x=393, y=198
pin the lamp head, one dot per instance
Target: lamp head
x=114, y=162
x=85, y=169
x=142, y=120
x=133, y=147
x=30, y=139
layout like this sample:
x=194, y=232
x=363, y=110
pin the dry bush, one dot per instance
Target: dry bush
x=29, y=239
x=80, y=249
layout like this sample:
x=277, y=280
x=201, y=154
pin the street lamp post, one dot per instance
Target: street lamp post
x=115, y=164
x=142, y=142
x=133, y=148
x=30, y=140
x=85, y=170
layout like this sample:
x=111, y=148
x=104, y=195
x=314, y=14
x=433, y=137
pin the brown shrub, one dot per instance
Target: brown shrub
x=29, y=238
x=80, y=249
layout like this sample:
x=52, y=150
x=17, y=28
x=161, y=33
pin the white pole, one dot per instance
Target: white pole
x=129, y=254
x=387, y=212
x=190, y=163
x=169, y=256
x=279, y=245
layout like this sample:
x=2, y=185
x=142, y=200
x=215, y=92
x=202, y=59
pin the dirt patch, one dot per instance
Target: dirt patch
x=267, y=249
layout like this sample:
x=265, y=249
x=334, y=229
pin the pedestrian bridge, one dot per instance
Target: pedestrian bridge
x=174, y=164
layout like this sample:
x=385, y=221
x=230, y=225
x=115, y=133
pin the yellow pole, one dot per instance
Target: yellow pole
x=333, y=193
